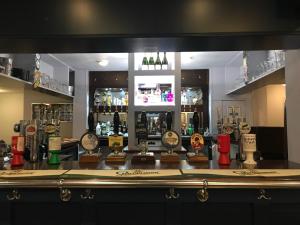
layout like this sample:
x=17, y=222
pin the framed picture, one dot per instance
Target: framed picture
x=237, y=111
x=230, y=111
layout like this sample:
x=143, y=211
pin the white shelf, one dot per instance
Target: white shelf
x=242, y=87
x=11, y=82
x=155, y=108
x=153, y=72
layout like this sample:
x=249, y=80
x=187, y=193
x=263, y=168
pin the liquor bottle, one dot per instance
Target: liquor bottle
x=98, y=129
x=121, y=127
x=158, y=91
x=145, y=63
x=196, y=122
x=151, y=63
x=190, y=130
x=125, y=127
x=169, y=120
x=164, y=64
x=170, y=96
x=158, y=62
x=183, y=98
x=109, y=101
x=144, y=119
x=163, y=97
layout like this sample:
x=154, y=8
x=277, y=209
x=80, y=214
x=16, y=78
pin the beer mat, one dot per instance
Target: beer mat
x=30, y=173
x=267, y=173
x=122, y=173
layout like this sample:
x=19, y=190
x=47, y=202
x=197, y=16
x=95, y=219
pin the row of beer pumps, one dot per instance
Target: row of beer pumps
x=35, y=142
x=170, y=139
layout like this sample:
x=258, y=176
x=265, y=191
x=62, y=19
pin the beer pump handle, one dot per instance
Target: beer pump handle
x=116, y=123
x=91, y=121
x=196, y=122
x=169, y=120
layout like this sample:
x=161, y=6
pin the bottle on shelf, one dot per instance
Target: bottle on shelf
x=170, y=96
x=151, y=63
x=145, y=63
x=158, y=62
x=98, y=129
x=125, y=127
x=163, y=96
x=190, y=130
x=164, y=64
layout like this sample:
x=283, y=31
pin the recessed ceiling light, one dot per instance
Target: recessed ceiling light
x=103, y=62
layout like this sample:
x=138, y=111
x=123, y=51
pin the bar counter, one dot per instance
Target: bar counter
x=267, y=174
x=150, y=194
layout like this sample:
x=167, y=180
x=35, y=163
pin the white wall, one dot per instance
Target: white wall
x=221, y=80
x=292, y=77
x=51, y=65
x=46, y=68
x=80, y=103
x=61, y=73
x=11, y=104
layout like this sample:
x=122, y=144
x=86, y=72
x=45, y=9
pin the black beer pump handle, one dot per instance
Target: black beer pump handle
x=116, y=123
x=91, y=122
x=169, y=120
x=196, y=122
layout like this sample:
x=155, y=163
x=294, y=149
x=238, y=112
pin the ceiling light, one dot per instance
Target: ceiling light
x=103, y=62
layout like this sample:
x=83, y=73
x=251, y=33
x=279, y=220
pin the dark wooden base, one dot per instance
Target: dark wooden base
x=90, y=158
x=169, y=158
x=196, y=158
x=147, y=158
x=119, y=158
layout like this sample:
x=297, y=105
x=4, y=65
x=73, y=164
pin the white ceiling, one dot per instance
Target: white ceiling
x=119, y=61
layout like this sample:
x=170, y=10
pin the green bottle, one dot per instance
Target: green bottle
x=151, y=63
x=164, y=64
x=158, y=62
x=190, y=130
x=145, y=63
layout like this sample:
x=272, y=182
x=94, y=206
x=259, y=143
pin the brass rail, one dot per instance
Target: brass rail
x=149, y=183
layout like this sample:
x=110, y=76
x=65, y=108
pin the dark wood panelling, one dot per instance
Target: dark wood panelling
x=195, y=78
x=106, y=79
x=111, y=79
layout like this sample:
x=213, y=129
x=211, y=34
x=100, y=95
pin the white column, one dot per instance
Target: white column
x=80, y=103
x=292, y=79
